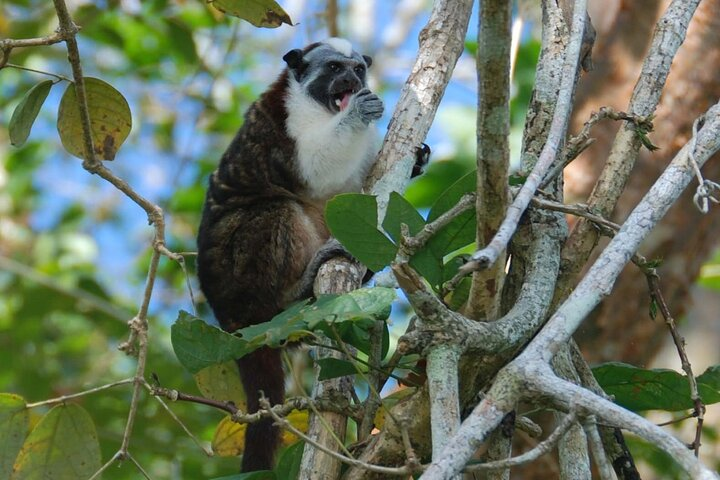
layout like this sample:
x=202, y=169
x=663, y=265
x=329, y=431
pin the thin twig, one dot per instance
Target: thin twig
x=538, y=451
x=410, y=245
x=138, y=466
x=7, y=44
x=106, y=465
x=578, y=143
x=311, y=405
x=596, y=446
x=65, y=398
x=238, y=416
x=187, y=431
x=373, y=401
x=384, y=370
x=677, y=420
x=27, y=69
x=412, y=461
x=657, y=297
x=183, y=266
x=138, y=338
x=283, y=423
x=140, y=327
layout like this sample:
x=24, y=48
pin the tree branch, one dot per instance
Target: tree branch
x=493, y=148
x=488, y=256
x=669, y=34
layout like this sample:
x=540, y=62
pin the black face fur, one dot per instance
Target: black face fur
x=327, y=75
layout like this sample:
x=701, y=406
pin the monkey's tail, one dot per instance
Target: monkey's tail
x=261, y=371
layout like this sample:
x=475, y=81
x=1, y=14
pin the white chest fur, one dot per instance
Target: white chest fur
x=332, y=157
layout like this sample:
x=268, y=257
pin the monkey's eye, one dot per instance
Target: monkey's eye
x=360, y=70
x=334, y=67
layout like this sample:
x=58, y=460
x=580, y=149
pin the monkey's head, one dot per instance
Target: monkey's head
x=330, y=72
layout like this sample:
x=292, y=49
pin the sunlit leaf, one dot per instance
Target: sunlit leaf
x=14, y=425
x=261, y=13
x=63, y=445
x=110, y=119
x=221, y=382
x=27, y=111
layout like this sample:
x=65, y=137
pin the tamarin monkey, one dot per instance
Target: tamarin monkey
x=262, y=236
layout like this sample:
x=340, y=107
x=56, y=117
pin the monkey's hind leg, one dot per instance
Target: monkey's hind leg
x=261, y=371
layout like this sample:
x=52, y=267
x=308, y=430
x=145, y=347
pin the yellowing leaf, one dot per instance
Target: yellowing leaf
x=110, y=119
x=221, y=382
x=14, y=425
x=63, y=445
x=27, y=111
x=229, y=438
x=299, y=420
x=261, y=13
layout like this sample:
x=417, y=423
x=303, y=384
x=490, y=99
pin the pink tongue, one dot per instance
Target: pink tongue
x=345, y=101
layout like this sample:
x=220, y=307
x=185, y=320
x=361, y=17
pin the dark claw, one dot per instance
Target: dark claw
x=422, y=157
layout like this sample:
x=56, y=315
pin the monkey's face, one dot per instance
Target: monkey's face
x=329, y=75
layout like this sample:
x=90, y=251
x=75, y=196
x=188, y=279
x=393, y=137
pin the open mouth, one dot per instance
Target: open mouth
x=342, y=99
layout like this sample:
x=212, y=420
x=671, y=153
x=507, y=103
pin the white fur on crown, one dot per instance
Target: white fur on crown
x=332, y=158
x=341, y=45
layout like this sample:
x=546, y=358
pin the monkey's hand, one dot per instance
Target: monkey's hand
x=331, y=249
x=422, y=158
x=366, y=107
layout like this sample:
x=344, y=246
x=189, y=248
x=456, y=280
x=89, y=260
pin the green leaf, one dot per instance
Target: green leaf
x=27, y=111
x=375, y=301
x=429, y=265
x=288, y=466
x=64, y=444
x=261, y=13
x=515, y=180
x=450, y=197
x=653, y=308
x=352, y=219
x=110, y=119
x=657, y=389
x=289, y=325
x=400, y=211
x=709, y=385
x=14, y=425
x=645, y=140
x=335, y=367
x=198, y=345
x=457, y=234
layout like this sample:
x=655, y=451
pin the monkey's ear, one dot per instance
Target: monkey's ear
x=294, y=58
x=368, y=60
